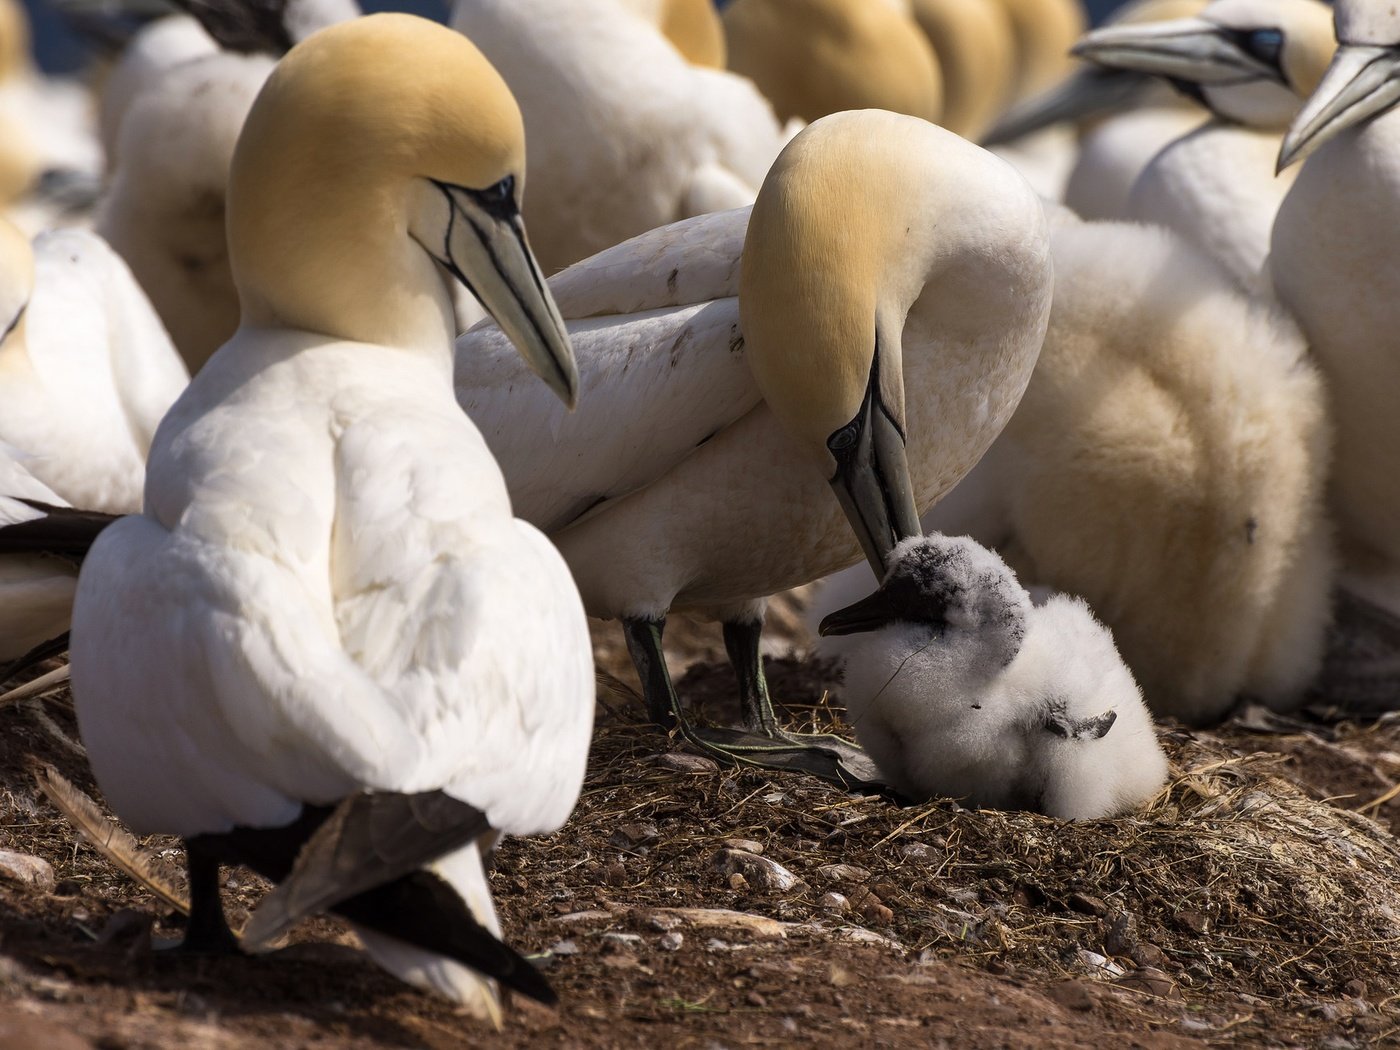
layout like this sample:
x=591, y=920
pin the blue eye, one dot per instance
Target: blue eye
x=1266, y=45
x=501, y=191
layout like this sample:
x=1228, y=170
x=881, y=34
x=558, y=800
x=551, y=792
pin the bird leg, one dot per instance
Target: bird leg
x=206, y=931
x=741, y=643
x=644, y=644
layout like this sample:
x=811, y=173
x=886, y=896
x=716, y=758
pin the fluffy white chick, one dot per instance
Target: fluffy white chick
x=957, y=685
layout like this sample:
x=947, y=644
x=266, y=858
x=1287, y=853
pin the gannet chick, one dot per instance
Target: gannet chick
x=624, y=134
x=1250, y=63
x=306, y=655
x=814, y=57
x=894, y=288
x=154, y=50
x=86, y=370
x=972, y=41
x=958, y=686
x=1333, y=267
x=692, y=26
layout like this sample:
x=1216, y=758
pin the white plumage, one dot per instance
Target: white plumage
x=956, y=685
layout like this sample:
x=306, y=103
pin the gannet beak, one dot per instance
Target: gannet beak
x=1096, y=728
x=1189, y=50
x=1362, y=81
x=1093, y=91
x=872, y=477
x=487, y=251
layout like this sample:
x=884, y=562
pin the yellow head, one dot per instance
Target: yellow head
x=976, y=52
x=1045, y=30
x=14, y=40
x=693, y=26
x=814, y=57
x=377, y=150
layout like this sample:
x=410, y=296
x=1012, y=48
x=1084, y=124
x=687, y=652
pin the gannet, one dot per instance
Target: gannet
x=1123, y=118
x=1044, y=31
x=692, y=26
x=1333, y=267
x=887, y=263
x=309, y=645
x=624, y=135
x=973, y=43
x=1251, y=63
x=1167, y=464
x=86, y=370
x=47, y=134
x=958, y=686
x=814, y=57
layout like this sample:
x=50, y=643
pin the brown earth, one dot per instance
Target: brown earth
x=1254, y=904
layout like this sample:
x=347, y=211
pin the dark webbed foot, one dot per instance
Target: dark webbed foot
x=206, y=930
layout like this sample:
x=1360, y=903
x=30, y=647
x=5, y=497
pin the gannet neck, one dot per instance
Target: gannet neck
x=343, y=147
x=976, y=50
x=16, y=288
x=863, y=214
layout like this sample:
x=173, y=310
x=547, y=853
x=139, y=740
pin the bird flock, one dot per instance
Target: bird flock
x=1060, y=360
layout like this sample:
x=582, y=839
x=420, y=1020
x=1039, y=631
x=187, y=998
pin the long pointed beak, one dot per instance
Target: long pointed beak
x=1361, y=82
x=872, y=478
x=1093, y=91
x=869, y=614
x=1183, y=49
x=488, y=252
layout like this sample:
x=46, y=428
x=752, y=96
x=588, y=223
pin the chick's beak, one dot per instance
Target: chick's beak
x=487, y=251
x=1361, y=82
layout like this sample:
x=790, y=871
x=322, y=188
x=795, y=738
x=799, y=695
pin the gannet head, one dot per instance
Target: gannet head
x=814, y=57
x=976, y=51
x=1093, y=92
x=379, y=150
x=1249, y=61
x=16, y=279
x=1044, y=31
x=862, y=214
x=1363, y=80
x=14, y=40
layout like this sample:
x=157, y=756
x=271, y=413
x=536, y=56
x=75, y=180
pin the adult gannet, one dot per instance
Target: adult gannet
x=310, y=640
x=958, y=686
x=624, y=134
x=1333, y=268
x=972, y=40
x=1167, y=464
x=1251, y=63
x=692, y=26
x=86, y=370
x=814, y=57
x=886, y=263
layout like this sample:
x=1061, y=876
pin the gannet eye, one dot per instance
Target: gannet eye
x=1266, y=45
x=843, y=438
x=501, y=192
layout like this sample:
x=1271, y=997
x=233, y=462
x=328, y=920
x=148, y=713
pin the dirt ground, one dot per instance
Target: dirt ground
x=1255, y=904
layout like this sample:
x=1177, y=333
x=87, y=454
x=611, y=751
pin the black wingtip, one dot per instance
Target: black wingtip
x=63, y=532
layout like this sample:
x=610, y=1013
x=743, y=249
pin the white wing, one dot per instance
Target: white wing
x=653, y=387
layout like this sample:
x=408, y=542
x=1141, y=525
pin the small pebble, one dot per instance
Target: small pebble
x=672, y=941
x=1151, y=980
x=680, y=762
x=28, y=870
x=843, y=873
x=747, y=845
x=836, y=902
x=1084, y=904
x=737, y=882
x=760, y=872
x=566, y=947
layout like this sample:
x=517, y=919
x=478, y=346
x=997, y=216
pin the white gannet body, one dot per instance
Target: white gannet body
x=1167, y=464
x=321, y=607
x=711, y=428
x=164, y=207
x=1333, y=268
x=1251, y=63
x=86, y=370
x=624, y=134
x=958, y=686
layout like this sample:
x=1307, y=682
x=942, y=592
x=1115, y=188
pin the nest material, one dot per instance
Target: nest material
x=1233, y=879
